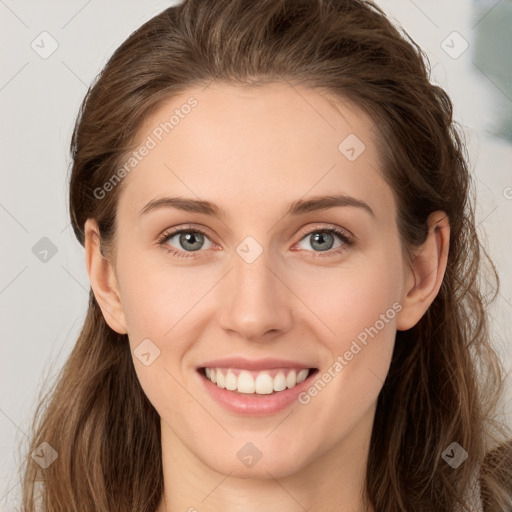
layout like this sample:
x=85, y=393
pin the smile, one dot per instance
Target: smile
x=254, y=387
x=263, y=382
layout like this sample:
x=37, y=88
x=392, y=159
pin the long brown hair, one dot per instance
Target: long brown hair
x=445, y=378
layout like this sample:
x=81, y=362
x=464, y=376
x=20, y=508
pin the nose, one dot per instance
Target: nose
x=255, y=301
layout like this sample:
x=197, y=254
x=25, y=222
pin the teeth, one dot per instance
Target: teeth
x=261, y=383
x=245, y=382
x=291, y=379
x=301, y=376
x=231, y=381
x=264, y=384
x=221, y=380
x=279, y=382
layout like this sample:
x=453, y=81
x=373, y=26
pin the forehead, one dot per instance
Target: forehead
x=254, y=147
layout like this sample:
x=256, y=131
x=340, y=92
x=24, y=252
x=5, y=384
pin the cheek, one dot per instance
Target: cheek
x=155, y=296
x=349, y=299
x=357, y=306
x=158, y=302
x=360, y=308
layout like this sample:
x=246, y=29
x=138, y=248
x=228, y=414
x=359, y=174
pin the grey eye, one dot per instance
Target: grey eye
x=321, y=240
x=189, y=240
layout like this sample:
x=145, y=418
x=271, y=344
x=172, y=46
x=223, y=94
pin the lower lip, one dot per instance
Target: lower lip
x=253, y=404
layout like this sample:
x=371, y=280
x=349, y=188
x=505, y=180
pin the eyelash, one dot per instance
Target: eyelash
x=347, y=241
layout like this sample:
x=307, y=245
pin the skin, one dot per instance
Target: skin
x=253, y=151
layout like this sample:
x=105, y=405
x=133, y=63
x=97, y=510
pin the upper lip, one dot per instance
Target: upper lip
x=254, y=364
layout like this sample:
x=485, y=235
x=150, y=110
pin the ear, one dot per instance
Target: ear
x=103, y=279
x=424, y=276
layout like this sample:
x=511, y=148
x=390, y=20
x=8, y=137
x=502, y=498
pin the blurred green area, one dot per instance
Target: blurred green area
x=492, y=53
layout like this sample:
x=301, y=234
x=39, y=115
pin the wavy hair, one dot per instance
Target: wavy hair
x=445, y=378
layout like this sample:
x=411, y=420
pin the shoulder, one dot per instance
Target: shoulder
x=496, y=472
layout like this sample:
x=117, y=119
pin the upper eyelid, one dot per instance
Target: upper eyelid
x=172, y=232
x=319, y=227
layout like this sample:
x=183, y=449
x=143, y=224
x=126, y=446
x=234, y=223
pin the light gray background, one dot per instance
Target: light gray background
x=43, y=304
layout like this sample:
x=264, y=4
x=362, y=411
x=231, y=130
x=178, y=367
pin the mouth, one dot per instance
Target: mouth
x=253, y=387
x=253, y=383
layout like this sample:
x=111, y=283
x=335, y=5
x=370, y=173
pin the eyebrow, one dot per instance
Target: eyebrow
x=299, y=207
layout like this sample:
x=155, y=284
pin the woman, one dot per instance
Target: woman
x=284, y=310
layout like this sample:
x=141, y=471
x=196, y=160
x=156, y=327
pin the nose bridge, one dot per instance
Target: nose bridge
x=254, y=300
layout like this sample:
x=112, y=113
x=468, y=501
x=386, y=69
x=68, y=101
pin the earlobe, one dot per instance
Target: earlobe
x=103, y=280
x=425, y=275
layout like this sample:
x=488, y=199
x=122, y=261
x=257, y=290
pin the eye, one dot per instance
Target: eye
x=188, y=240
x=191, y=240
x=322, y=240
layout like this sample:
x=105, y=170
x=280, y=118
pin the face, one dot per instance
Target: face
x=265, y=282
